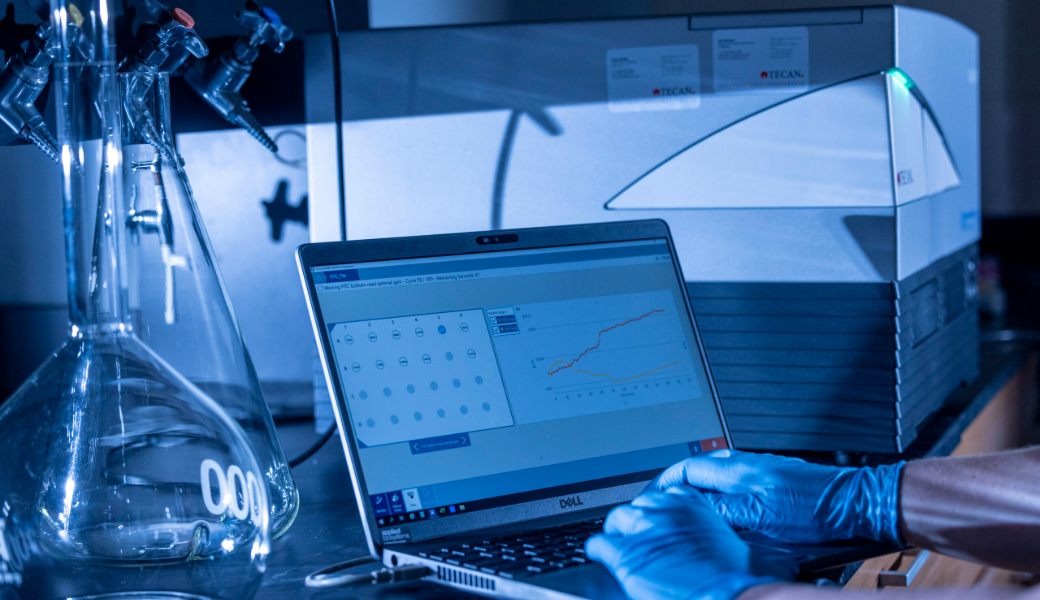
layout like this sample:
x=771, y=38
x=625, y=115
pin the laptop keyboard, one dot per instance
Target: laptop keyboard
x=521, y=555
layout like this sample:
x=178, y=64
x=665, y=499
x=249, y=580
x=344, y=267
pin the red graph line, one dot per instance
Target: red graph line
x=599, y=340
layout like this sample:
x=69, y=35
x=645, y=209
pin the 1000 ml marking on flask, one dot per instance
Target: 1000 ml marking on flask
x=229, y=485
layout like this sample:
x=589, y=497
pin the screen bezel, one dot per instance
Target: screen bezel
x=333, y=253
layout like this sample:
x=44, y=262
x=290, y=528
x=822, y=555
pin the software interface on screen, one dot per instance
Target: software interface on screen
x=476, y=381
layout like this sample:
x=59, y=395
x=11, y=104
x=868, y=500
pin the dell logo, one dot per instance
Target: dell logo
x=571, y=502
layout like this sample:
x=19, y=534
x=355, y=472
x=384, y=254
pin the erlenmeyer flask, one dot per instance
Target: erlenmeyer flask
x=119, y=478
x=178, y=302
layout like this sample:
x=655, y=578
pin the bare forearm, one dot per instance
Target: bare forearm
x=980, y=508
x=808, y=592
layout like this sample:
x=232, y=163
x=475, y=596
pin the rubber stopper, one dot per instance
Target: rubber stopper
x=183, y=18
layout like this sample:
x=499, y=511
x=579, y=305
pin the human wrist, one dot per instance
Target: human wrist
x=875, y=496
x=893, y=488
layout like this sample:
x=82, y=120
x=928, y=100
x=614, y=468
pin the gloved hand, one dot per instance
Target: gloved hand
x=673, y=545
x=790, y=499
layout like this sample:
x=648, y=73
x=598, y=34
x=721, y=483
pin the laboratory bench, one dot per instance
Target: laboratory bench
x=996, y=412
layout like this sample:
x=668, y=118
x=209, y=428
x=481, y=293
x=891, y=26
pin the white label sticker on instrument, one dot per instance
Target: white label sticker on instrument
x=653, y=78
x=771, y=59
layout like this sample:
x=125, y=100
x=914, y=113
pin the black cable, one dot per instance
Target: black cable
x=310, y=451
x=326, y=577
x=337, y=108
x=338, y=114
x=322, y=578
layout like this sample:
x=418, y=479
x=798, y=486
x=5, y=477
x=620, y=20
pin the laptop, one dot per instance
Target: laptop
x=498, y=393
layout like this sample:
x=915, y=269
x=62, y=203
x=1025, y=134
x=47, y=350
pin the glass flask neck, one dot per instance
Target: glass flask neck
x=94, y=209
x=95, y=238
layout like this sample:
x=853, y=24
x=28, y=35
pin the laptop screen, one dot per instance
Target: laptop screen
x=479, y=381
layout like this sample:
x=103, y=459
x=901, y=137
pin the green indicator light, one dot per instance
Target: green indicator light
x=901, y=78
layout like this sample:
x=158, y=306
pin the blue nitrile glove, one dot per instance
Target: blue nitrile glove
x=790, y=499
x=671, y=545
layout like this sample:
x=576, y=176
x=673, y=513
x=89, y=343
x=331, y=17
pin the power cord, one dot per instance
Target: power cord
x=337, y=95
x=326, y=577
x=309, y=452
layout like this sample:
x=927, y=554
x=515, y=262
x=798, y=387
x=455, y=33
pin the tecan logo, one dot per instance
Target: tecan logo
x=904, y=177
x=570, y=502
x=782, y=75
x=665, y=92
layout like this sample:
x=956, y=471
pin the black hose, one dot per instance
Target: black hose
x=310, y=451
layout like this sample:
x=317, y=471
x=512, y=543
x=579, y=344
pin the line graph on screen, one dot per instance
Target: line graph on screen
x=560, y=365
x=597, y=354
